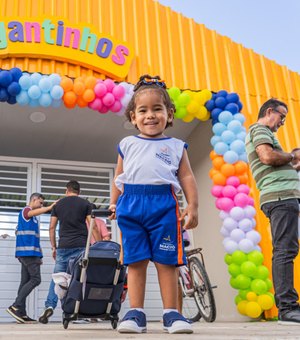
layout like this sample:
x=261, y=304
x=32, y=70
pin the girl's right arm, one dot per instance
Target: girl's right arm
x=115, y=192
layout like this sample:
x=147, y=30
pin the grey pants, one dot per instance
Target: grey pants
x=283, y=217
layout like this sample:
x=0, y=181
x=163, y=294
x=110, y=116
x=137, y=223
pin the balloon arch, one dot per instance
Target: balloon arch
x=229, y=161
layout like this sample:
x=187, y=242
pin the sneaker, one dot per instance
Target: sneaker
x=27, y=319
x=176, y=323
x=292, y=317
x=46, y=315
x=134, y=321
x=81, y=321
x=15, y=313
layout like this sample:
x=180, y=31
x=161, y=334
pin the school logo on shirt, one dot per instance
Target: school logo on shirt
x=164, y=155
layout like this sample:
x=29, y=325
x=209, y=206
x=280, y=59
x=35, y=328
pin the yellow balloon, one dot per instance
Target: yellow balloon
x=201, y=113
x=241, y=307
x=188, y=118
x=200, y=97
x=207, y=94
x=251, y=296
x=253, y=309
x=189, y=93
x=193, y=107
x=265, y=301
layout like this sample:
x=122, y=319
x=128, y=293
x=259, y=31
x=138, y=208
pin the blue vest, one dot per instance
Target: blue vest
x=28, y=237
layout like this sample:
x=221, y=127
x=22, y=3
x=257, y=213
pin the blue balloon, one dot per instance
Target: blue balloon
x=240, y=105
x=215, y=113
x=55, y=79
x=221, y=148
x=214, y=95
x=219, y=128
x=214, y=121
x=14, y=88
x=210, y=105
x=57, y=92
x=35, y=78
x=232, y=107
x=232, y=97
x=25, y=82
x=220, y=102
x=3, y=95
x=228, y=137
x=45, y=100
x=235, y=126
x=45, y=84
x=240, y=117
x=215, y=139
x=241, y=136
x=222, y=93
x=5, y=78
x=231, y=157
x=34, y=103
x=243, y=157
x=225, y=117
x=11, y=100
x=237, y=146
x=16, y=73
x=56, y=103
x=34, y=92
x=23, y=98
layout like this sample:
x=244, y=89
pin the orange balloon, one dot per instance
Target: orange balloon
x=66, y=83
x=218, y=162
x=213, y=154
x=240, y=167
x=70, y=106
x=212, y=172
x=219, y=179
x=79, y=87
x=88, y=95
x=70, y=98
x=243, y=178
x=90, y=82
x=81, y=102
x=228, y=169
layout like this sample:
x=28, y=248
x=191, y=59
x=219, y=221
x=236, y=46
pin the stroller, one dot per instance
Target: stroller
x=97, y=281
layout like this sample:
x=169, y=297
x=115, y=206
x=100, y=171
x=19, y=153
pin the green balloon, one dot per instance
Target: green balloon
x=269, y=283
x=237, y=299
x=180, y=112
x=256, y=257
x=238, y=257
x=234, y=269
x=243, y=293
x=233, y=283
x=243, y=281
x=183, y=99
x=248, y=268
x=174, y=92
x=259, y=286
x=262, y=272
x=228, y=259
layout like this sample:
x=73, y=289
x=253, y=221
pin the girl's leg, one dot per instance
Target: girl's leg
x=168, y=283
x=137, y=283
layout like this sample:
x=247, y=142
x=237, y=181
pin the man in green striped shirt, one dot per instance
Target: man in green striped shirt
x=278, y=184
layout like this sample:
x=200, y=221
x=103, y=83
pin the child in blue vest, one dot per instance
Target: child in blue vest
x=29, y=253
x=152, y=168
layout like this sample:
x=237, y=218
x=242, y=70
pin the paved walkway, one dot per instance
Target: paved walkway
x=202, y=330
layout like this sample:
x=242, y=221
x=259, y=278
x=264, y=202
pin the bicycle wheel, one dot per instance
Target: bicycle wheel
x=203, y=293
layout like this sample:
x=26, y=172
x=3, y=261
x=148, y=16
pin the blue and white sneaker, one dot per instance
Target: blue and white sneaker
x=134, y=321
x=174, y=322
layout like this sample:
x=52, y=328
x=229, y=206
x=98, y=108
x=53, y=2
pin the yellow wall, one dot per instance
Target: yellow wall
x=184, y=53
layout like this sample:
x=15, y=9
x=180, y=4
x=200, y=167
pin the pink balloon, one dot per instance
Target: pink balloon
x=100, y=89
x=216, y=190
x=103, y=109
x=108, y=99
x=109, y=84
x=116, y=107
x=226, y=203
x=243, y=188
x=241, y=200
x=250, y=201
x=118, y=91
x=96, y=104
x=229, y=191
x=233, y=180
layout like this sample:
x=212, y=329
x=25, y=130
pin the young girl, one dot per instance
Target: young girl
x=151, y=169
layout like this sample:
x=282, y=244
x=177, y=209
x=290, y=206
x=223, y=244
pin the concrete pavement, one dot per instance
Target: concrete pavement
x=103, y=330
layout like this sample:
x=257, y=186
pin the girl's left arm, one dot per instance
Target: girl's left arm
x=189, y=186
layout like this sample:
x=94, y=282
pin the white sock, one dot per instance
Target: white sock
x=165, y=311
x=138, y=309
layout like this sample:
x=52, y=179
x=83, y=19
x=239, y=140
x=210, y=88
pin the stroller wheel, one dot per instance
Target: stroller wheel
x=114, y=323
x=65, y=323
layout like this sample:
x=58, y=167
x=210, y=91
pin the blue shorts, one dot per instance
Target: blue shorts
x=148, y=216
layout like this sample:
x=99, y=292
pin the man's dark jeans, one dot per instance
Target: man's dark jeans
x=30, y=278
x=283, y=215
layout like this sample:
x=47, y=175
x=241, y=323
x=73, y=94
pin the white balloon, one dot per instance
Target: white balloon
x=237, y=235
x=229, y=224
x=253, y=236
x=230, y=246
x=245, y=224
x=224, y=232
x=246, y=245
x=249, y=211
x=237, y=213
x=223, y=214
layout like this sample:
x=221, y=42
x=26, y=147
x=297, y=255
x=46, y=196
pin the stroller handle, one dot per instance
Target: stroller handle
x=100, y=213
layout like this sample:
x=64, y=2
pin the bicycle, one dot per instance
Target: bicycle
x=195, y=288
